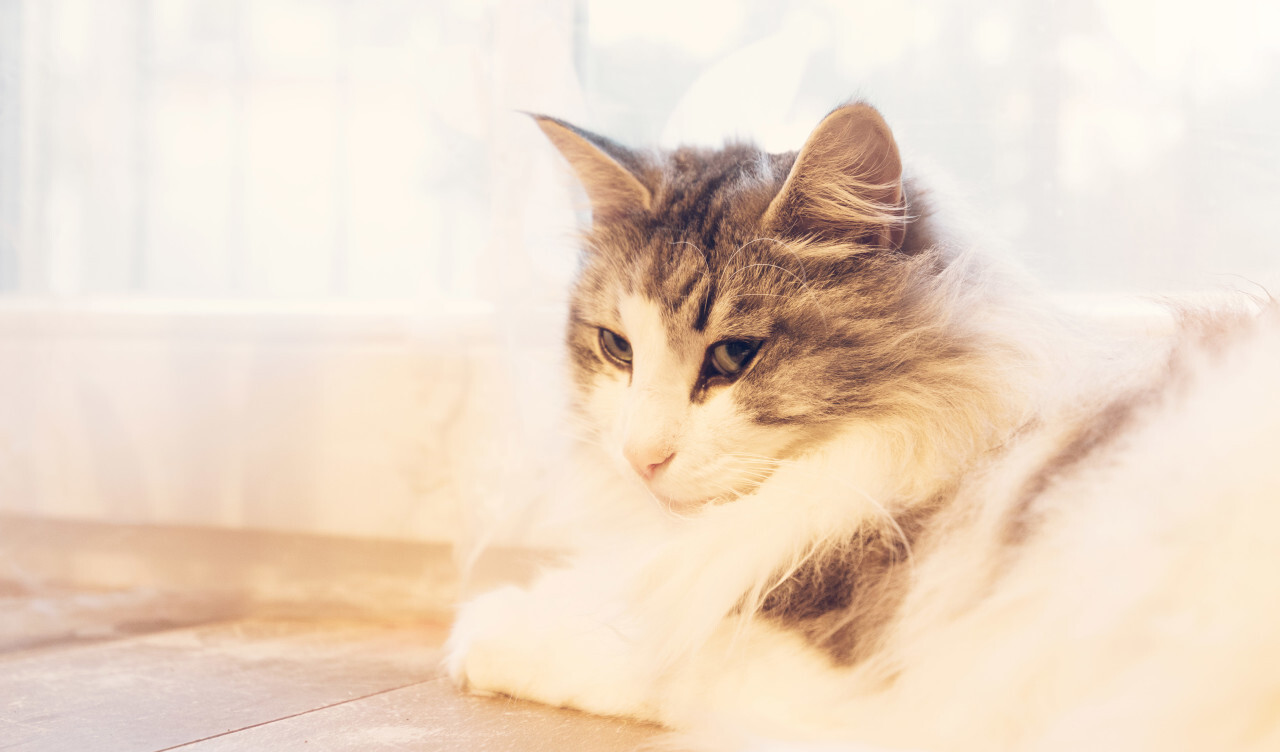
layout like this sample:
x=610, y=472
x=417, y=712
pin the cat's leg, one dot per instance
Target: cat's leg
x=560, y=642
x=734, y=551
x=601, y=636
x=597, y=636
x=756, y=680
x=757, y=677
x=749, y=675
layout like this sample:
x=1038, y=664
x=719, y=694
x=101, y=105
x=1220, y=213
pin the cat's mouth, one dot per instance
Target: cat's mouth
x=682, y=494
x=685, y=496
x=679, y=505
x=685, y=505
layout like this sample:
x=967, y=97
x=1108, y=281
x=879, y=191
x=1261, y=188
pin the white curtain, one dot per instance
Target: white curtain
x=281, y=264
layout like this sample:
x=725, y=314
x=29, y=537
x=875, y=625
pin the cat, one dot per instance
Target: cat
x=874, y=491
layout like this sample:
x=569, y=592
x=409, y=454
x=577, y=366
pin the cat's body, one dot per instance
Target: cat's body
x=874, y=493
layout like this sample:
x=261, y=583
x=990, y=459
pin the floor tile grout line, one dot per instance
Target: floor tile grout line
x=298, y=714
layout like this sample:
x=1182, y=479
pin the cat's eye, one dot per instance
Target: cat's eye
x=730, y=357
x=615, y=347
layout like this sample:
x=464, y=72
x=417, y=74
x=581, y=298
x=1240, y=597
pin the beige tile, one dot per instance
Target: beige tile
x=169, y=688
x=433, y=717
x=119, y=638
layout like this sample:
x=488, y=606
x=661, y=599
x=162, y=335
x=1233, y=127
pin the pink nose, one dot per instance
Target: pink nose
x=647, y=459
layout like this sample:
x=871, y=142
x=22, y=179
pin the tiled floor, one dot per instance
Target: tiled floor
x=196, y=652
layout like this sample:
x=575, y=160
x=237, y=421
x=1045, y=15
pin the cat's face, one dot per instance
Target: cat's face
x=685, y=388
x=668, y=399
x=717, y=327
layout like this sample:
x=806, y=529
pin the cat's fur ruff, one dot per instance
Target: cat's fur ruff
x=929, y=514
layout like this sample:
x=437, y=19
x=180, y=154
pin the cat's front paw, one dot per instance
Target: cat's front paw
x=485, y=629
x=534, y=645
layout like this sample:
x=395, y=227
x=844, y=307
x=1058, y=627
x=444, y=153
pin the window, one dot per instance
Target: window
x=294, y=262
x=266, y=149
x=371, y=150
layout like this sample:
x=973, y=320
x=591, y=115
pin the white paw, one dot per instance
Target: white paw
x=486, y=628
x=533, y=645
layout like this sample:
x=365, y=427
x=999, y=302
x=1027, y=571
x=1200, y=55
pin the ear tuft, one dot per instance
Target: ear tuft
x=604, y=168
x=846, y=183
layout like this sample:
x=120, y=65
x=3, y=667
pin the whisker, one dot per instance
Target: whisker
x=743, y=247
x=761, y=264
x=702, y=254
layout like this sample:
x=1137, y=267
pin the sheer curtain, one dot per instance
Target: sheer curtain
x=279, y=264
x=300, y=263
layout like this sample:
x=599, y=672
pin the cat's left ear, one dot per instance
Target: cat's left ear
x=606, y=169
x=846, y=183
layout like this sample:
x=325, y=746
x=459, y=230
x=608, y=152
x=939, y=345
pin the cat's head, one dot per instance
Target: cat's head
x=735, y=306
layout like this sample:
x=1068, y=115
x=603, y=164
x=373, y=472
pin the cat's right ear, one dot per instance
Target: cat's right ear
x=603, y=167
x=846, y=183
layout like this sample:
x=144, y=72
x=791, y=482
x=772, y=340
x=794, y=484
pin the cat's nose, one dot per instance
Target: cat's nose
x=647, y=459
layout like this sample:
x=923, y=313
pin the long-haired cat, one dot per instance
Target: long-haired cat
x=876, y=493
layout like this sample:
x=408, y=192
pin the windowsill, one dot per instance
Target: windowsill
x=45, y=317
x=364, y=418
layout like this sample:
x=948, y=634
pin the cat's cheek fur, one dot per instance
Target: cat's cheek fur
x=726, y=454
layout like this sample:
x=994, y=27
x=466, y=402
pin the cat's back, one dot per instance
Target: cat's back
x=1125, y=581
